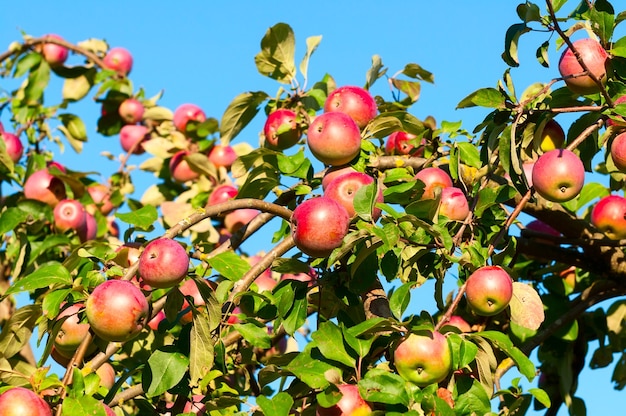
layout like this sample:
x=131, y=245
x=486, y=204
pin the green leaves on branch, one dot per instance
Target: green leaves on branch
x=143, y=218
x=485, y=97
x=277, y=57
x=166, y=370
x=239, y=113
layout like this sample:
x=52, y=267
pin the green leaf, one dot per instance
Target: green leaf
x=619, y=47
x=37, y=82
x=411, y=88
x=75, y=126
x=277, y=57
x=543, y=55
x=230, y=265
x=310, y=370
x=312, y=42
x=510, y=43
x=201, y=355
x=399, y=299
x=254, y=334
x=602, y=17
x=329, y=340
x=541, y=396
x=469, y=154
x=382, y=386
x=364, y=200
x=82, y=405
x=11, y=218
x=376, y=71
x=167, y=370
x=239, y=113
x=142, y=218
x=51, y=273
x=415, y=71
x=26, y=63
x=529, y=12
x=471, y=399
x=279, y=405
x=504, y=343
x=485, y=97
x=386, y=123
x=76, y=88
x=17, y=331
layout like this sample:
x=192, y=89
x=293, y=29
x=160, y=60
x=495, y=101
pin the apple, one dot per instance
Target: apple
x=116, y=310
x=106, y=372
x=594, y=56
x=190, y=288
x=119, y=59
x=620, y=121
x=131, y=110
x=318, y=226
x=108, y=411
x=13, y=146
x=265, y=281
x=423, y=359
x=343, y=188
x=101, y=196
x=281, y=129
x=54, y=54
x=185, y=113
x=489, y=290
x=609, y=216
x=89, y=231
x=128, y=254
x=350, y=404
x=131, y=136
x=558, y=175
x=44, y=187
x=453, y=204
x=551, y=137
x=236, y=219
x=72, y=332
x=353, y=101
x=163, y=263
x=156, y=320
x=398, y=144
x=459, y=323
x=334, y=138
x=435, y=179
x=222, y=193
x=222, y=156
x=19, y=401
x=112, y=227
x=310, y=277
x=543, y=228
x=69, y=214
x=333, y=172
x=618, y=151
x=180, y=169
x=195, y=406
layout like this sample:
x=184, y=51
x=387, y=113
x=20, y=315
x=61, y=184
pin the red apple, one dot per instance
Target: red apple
x=69, y=214
x=44, y=187
x=620, y=120
x=72, y=332
x=551, y=137
x=13, y=146
x=609, y=216
x=558, y=175
x=543, y=228
x=318, y=226
x=334, y=138
x=594, y=56
x=618, y=151
x=423, y=359
x=190, y=288
x=195, y=406
x=350, y=404
x=489, y=290
x=398, y=144
x=19, y=401
x=281, y=129
x=459, y=323
x=355, y=102
x=131, y=110
x=435, y=179
x=333, y=172
x=222, y=156
x=131, y=136
x=119, y=59
x=265, y=281
x=343, y=188
x=236, y=219
x=185, y=113
x=106, y=372
x=101, y=196
x=222, y=193
x=54, y=54
x=163, y=263
x=180, y=169
x=108, y=411
x=453, y=204
x=116, y=310
x=156, y=320
x=89, y=231
x=310, y=277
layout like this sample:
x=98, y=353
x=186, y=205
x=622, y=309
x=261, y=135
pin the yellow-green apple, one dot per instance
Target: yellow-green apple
x=356, y=102
x=569, y=276
x=594, y=56
x=423, y=359
x=44, y=187
x=619, y=120
x=54, y=54
x=19, y=401
x=222, y=156
x=558, y=175
x=72, y=331
x=222, y=193
x=343, y=188
x=453, y=204
x=13, y=146
x=69, y=214
x=236, y=219
x=435, y=179
x=318, y=226
x=101, y=196
x=398, y=143
x=106, y=372
x=117, y=310
x=350, y=404
x=118, y=59
x=186, y=113
x=333, y=172
x=609, y=216
x=618, y=151
x=551, y=137
x=334, y=138
x=180, y=170
x=163, y=263
x=489, y=290
x=131, y=110
x=131, y=137
x=281, y=129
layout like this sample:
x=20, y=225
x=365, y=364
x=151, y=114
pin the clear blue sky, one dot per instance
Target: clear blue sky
x=202, y=52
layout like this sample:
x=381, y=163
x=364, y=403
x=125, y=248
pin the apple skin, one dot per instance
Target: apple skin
x=459, y=323
x=116, y=310
x=453, y=204
x=334, y=172
x=435, y=179
x=310, y=277
x=334, y=138
x=423, y=359
x=19, y=401
x=106, y=372
x=594, y=56
x=281, y=129
x=89, y=231
x=130, y=135
x=620, y=120
x=108, y=411
x=222, y=156
x=318, y=226
x=156, y=320
x=558, y=175
x=489, y=290
x=69, y=214
x=609, y=216
x=356, y=102
x=185, y=113
x=552, y=136
x=101, y=196
x=72, y=332
x=190, y=288
x=13, y=145
x=543, y=228
x=343, y=188
x=131, y=110
x=54, y=54
x=236, y=219
x=119, y=59
x=163, y=263
x=618, y=151
x=44, y=187
x=398, y=144
x=350, y=404
x=222, y=193
x=180, y=169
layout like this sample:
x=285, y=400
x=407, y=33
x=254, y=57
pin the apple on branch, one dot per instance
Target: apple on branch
x=423, y=358
x=558, y=175
x=334, y=138
x=594, y=56
x=489, y=290
x=356, y=102
x=281, y=129
x=119, y=59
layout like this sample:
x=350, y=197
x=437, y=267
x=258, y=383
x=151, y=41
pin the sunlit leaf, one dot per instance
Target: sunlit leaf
x=166, y=370
x=239, y=113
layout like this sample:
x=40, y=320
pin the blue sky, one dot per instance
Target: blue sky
x=202, y=52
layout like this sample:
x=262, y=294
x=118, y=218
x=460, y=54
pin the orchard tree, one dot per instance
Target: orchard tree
x=154, y=303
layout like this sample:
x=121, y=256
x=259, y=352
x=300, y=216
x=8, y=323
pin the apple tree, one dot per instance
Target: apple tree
x=158, y=300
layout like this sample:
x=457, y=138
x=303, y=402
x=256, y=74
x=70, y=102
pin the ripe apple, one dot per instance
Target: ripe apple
x=609, y=216
x=551, y=137
x=185, y=113
x=101, y=196
x=119, y=59
x=116, y=310
x=222, y=193
x=435, y=179
x=44, y=187
x=108, y=411
x=156, y=320
x=334, y=138
x=89, y=231
x=163, y=263
x=460, y=323
x=453, y=204
x=281, y=129
x=180, y=169
x=558, y=175
x=310, y=277
x=343, y=188
x=618, y=151
x=489, y=290
x=72, y=332
x=19, y=401
x=54, y=54
x=13, y=146
x=131, y=110
x=131, y=136
x=190, y=288
x=543, y=228
x=236, y=219
x=594, y=56
x=350, y=404
x=353, y=101
x=620, y=120
x=318, y=226
x=333, y=172
x=106, y=372
x=69, y=214
x=222, y=156
x=423, y=359
x=398, y=144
